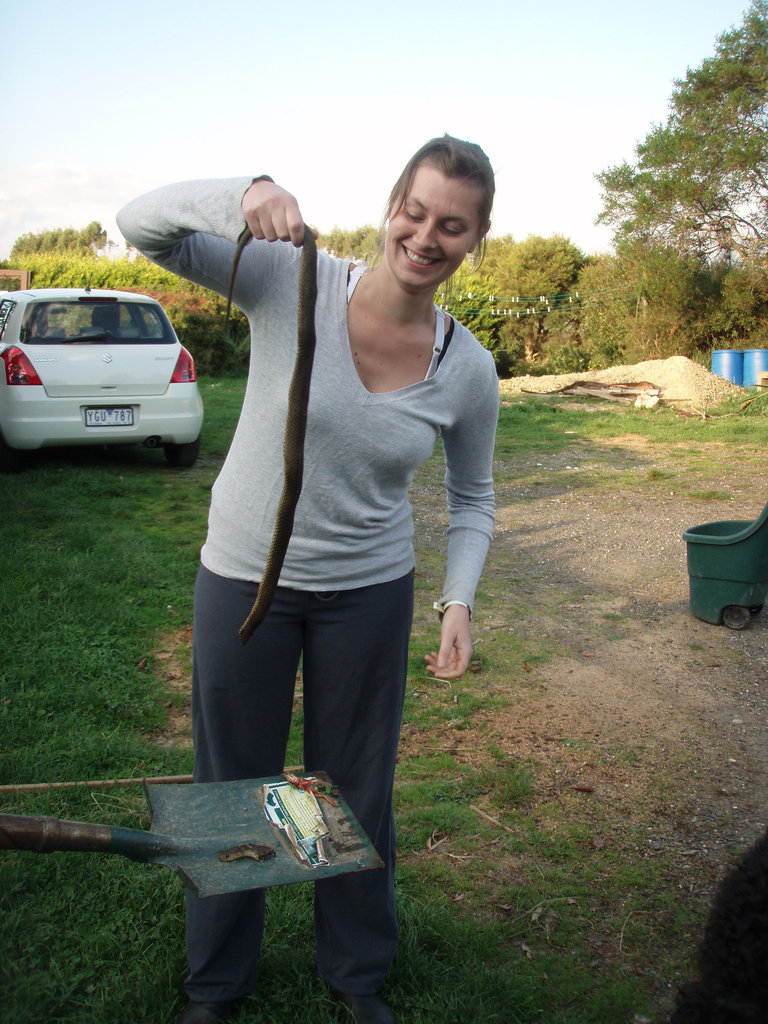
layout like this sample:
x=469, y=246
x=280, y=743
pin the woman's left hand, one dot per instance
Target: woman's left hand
x=452, y=660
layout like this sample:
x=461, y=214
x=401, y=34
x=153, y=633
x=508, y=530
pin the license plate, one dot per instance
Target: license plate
x=109, y=416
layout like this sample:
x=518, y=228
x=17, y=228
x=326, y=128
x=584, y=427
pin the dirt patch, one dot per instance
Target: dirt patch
x=171, y=662
x=643, y=691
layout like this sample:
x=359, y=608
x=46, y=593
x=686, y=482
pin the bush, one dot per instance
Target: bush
x=566, y=357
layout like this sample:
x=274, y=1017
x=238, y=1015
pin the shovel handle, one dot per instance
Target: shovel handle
x=44, y=835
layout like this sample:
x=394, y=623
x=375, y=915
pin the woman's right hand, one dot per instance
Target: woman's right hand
x=272, y=213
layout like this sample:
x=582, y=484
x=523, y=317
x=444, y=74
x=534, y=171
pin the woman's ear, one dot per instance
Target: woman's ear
x=483, y=232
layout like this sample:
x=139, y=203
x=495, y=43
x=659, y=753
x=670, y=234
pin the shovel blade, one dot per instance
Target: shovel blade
x=202, y=821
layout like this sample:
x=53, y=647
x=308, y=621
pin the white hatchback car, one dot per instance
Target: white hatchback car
x=82, y=367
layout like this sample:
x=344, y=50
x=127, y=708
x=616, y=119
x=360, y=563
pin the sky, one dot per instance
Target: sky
x=105, y=100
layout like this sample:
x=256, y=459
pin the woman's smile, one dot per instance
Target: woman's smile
x=415, y=258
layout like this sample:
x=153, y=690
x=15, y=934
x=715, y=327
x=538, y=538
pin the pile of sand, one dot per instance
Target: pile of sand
x=678, y=379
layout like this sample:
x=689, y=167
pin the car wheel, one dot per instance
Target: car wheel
x=10, y=459
x=182, y=456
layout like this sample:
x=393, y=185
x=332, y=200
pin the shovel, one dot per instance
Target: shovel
x=217, y=836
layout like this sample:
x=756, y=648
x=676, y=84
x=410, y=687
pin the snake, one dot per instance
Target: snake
x=295, y=425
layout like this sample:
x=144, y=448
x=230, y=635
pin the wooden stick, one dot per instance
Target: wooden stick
x=160, y=780
x=494, y=821
x=39, y=787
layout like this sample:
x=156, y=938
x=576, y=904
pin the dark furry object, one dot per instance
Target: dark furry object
x=733, y=956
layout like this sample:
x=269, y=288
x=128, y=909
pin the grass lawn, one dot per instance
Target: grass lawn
x=99, y=556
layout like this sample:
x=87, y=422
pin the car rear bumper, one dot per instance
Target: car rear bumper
x=30, y=419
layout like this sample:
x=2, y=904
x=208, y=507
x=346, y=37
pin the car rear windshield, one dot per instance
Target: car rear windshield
x=83, y=320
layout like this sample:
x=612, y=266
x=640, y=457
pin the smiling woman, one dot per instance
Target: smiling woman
x=392, y=375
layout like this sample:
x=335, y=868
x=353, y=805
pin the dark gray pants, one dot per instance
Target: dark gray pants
x=355, y=654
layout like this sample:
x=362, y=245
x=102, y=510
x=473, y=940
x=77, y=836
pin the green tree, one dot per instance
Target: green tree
x=671, y=294
x=468, y=297
x=700, y=182
x=533, y=281
x=737, y=316
x=652, y=302
x=357, y=244
x=91, y=239
x=607, y=308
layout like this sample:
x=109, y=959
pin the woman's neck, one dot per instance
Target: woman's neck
x=389, y=299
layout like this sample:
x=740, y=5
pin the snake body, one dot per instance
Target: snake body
x=295, y=426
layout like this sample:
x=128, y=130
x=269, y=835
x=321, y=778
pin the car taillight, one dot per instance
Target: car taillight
x=184, y=371
x=18, y=368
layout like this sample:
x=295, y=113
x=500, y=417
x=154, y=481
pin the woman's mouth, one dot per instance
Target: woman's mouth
x=422, y=261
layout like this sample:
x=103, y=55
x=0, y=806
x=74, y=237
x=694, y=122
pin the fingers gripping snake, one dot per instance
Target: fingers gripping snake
x=295, y=425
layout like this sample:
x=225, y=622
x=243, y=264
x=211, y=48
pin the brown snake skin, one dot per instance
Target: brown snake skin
x=295, y=425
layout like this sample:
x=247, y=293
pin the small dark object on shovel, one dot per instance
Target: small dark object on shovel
x=195, y=831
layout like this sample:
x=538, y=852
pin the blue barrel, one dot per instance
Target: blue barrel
x=755, y=362
x=729, y=363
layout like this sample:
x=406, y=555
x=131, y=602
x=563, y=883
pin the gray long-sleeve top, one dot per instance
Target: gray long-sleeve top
x=353, y=524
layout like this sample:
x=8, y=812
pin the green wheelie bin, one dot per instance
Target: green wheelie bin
x=728, y=569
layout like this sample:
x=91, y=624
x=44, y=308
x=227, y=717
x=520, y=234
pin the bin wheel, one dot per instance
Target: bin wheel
x=735, y=617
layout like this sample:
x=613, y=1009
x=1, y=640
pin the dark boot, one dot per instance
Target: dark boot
x=205, y=1013
x=366, y=1009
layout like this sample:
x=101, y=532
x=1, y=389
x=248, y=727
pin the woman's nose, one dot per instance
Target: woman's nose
x=426, y=234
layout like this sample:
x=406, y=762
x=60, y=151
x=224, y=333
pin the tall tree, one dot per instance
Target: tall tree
x=700, y=182
x=533, y=279
x=358, y=244
x=92, y=238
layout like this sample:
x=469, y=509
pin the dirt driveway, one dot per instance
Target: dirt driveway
x=644, y=708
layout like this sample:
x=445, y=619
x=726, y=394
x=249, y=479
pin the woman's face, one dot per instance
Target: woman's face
x=436, y=226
